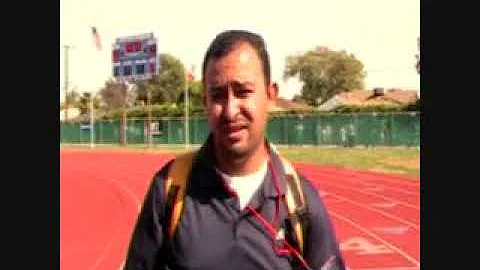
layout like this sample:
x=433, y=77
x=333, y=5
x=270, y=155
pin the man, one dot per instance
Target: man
x=234, y=211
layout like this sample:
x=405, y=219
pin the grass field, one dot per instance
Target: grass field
x=394, y=160
x=405, y=161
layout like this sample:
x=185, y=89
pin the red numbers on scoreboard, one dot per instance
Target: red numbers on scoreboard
x=116, y=56
x=133, y=47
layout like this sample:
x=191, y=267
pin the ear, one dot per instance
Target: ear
x=272, y=91
x=272, y=94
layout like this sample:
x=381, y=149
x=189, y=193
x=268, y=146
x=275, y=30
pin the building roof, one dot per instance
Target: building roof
x=369, y=97
x=378, y=96
x=72, y=113
x=283, y=104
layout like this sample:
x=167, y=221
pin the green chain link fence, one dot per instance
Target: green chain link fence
x=360, y=129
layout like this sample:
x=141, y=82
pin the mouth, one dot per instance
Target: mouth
x=234, y=128
x=234, y=131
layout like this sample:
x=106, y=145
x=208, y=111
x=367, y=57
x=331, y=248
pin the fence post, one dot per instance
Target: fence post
x=318, y=131
x=299, y=128
x=285, y=129
x=80, y=133
x=100, y=131
x=123, y=128
x=390, y=128
x=195, y=129
x=168, y=130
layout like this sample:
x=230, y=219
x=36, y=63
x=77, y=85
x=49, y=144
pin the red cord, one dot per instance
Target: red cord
x=271, y=229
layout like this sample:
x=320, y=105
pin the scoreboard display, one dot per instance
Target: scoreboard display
x=135, y=58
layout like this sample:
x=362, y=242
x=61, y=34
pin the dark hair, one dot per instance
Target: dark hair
x=227, y=41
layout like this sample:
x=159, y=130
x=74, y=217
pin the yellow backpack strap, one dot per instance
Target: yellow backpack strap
x=176, y=182
x=295, y=201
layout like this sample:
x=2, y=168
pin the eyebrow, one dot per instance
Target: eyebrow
x=246, y=83
x=234, y=83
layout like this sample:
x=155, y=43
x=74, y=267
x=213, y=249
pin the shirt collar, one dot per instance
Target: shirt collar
x=206, y=156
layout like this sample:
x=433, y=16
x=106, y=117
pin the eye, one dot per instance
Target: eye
x=243, y=92
x=217, y=94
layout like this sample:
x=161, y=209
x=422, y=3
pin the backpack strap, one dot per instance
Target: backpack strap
x=175, y=187
x=297, y=208
x=177, y=179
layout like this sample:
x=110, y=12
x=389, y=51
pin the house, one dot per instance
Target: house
x=283, y=104
x=72, y=113
x=377, y=96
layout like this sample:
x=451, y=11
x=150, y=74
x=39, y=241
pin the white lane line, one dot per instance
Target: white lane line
x=373, y=235
x=413, y=225
x=375, y=195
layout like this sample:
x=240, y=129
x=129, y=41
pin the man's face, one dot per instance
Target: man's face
x=237, y=100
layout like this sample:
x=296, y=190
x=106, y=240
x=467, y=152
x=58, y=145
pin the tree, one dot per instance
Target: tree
x=84, y=103
x=72, y=98
x=195, y=96
x=325, y=73
x=168, y=85
x=297, y=98
x=116, y=95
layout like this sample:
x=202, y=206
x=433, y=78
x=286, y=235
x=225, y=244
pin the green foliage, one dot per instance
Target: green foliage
x=354, y=109
x=114, y=95
x=375, y=108
x=157, y=110
x=325, y=73
x=196, y=95
x=84, y=103
x=293, y=112
x=73, y=98
x=297, y=98
x=168, y=85
x=174, y=110
x=417, y=106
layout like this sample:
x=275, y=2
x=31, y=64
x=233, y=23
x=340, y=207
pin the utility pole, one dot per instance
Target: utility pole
x=66, y=48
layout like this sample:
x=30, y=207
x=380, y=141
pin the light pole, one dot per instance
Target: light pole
x=92, y=122
x=66, y=48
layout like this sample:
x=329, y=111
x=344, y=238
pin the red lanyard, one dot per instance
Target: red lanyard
x=272, y=229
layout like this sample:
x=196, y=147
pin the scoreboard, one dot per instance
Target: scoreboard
x=135, y=58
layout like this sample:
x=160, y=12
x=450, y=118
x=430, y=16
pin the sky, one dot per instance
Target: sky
x=381, y=34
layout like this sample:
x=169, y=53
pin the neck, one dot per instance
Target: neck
x=240, y=165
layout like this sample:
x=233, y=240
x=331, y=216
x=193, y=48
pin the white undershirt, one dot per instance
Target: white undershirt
x=245, y=185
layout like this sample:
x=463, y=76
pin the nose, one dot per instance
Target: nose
x=231, y=107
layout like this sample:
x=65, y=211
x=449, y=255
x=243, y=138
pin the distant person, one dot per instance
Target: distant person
x=227, y=205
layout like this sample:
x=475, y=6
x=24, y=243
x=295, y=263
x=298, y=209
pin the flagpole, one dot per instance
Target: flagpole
x=98, y=45
x=190, y=78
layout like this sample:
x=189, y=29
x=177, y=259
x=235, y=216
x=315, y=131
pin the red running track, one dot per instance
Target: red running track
x=376, y=216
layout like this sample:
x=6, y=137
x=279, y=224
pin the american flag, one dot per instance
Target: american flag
x=96, y=38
